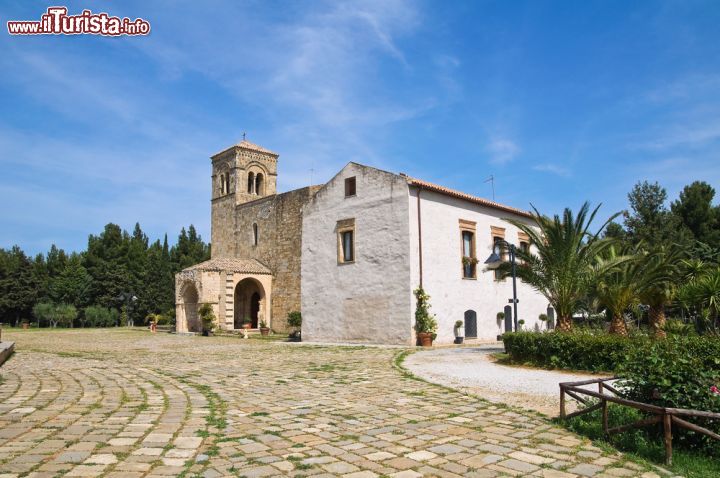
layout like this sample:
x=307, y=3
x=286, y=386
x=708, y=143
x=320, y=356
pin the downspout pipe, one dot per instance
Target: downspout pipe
x=420, y=250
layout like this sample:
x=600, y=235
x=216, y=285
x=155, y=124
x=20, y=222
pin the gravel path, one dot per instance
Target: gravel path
x=472, y=369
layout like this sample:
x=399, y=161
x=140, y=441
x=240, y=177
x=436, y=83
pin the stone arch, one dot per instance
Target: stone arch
x=250, y=301
x=188, y=318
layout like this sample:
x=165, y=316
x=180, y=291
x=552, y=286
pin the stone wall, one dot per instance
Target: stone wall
x=369, y=299
x=279, y=223
x=222, y=227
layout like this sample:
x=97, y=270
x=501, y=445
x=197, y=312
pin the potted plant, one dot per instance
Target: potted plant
x=264, y=329
x=458, y=332
x=207, y=317
x=544, y=318
x=500, y=316
x=425, y=323
x=521, y=322
x=246, y=323
x=294, y=321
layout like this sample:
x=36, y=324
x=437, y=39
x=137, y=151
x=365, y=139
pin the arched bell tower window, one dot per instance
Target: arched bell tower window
x=227, y=183
x=259, y=184
x=251, y=183
x=222, y=184
x=255, y=234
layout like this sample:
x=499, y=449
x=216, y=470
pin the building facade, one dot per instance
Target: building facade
x=348, y=255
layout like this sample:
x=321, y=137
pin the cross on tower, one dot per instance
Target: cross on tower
x=243, y=135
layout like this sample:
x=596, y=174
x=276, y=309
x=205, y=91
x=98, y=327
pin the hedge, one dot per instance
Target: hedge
x=678, y=372
x=577, y=351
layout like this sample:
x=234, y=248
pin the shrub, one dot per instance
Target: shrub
x=207, y=316
x=96, y=316
x=678, y=372
x=294, y=319
x=580, y=350
x=425, y=322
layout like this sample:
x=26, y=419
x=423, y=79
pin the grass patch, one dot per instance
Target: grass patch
x=645, y=444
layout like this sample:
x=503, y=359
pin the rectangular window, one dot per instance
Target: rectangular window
x=468, y=255
x=346, y=241
x=349, y=186
x=348, y=246
x=499, y=249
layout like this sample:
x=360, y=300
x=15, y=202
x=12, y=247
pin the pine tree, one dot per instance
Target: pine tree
x=18, y=286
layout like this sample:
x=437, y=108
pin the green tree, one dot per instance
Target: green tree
x=18, y=286
x=615, y=231
x=560, y=263
x=100, y=316
x=650, y=222
x=71, y=284
x=695, y=210
x=106, y=263
x=617, y=284
x=702, y=296
x=189, y=250
x=55, y=314
x=662, y=271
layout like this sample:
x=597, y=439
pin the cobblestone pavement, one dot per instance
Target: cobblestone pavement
x=123, y=403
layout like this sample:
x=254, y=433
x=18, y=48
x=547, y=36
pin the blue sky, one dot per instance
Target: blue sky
x=561, y=101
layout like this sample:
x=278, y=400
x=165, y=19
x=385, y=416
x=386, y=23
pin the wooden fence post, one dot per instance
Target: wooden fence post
x=667, y=427
x=605, y=418
x=562, y=401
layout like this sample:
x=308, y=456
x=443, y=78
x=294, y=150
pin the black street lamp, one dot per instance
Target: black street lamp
x=494, y=258
x=129, y=298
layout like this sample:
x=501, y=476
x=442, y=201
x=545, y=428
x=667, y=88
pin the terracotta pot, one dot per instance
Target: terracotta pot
x=425, y=339
x=25, y=326
x=247, y=326
x=264, y=330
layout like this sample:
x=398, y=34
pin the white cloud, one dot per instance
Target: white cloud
x=502, y=150
x=552, y=169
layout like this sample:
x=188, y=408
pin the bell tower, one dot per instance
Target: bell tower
x=242, y=173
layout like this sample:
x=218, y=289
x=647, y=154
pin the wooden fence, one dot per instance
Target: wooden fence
x=667, y=416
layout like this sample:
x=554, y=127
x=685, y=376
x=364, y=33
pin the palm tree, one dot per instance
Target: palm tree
x=703, y=295
x=559, y=265
x=661, y=275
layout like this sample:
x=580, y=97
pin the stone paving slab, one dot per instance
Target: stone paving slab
x=117, y=402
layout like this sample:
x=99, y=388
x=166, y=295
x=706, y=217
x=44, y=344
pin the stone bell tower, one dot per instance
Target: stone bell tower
x=242, y=173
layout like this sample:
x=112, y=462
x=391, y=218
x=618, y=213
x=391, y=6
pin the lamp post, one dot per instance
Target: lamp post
x=129, y=298
x=494, y=258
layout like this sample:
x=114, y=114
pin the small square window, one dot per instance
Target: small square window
x=350, y=186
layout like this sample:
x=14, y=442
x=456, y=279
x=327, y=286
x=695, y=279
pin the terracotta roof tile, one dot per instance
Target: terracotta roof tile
x=461, y=195
x=245, y=266
x=245, y=144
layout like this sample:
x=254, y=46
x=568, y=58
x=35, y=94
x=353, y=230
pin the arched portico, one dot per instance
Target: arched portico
x=250, y=302
x=187, y=316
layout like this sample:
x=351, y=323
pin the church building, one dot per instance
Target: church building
x=348, y=254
